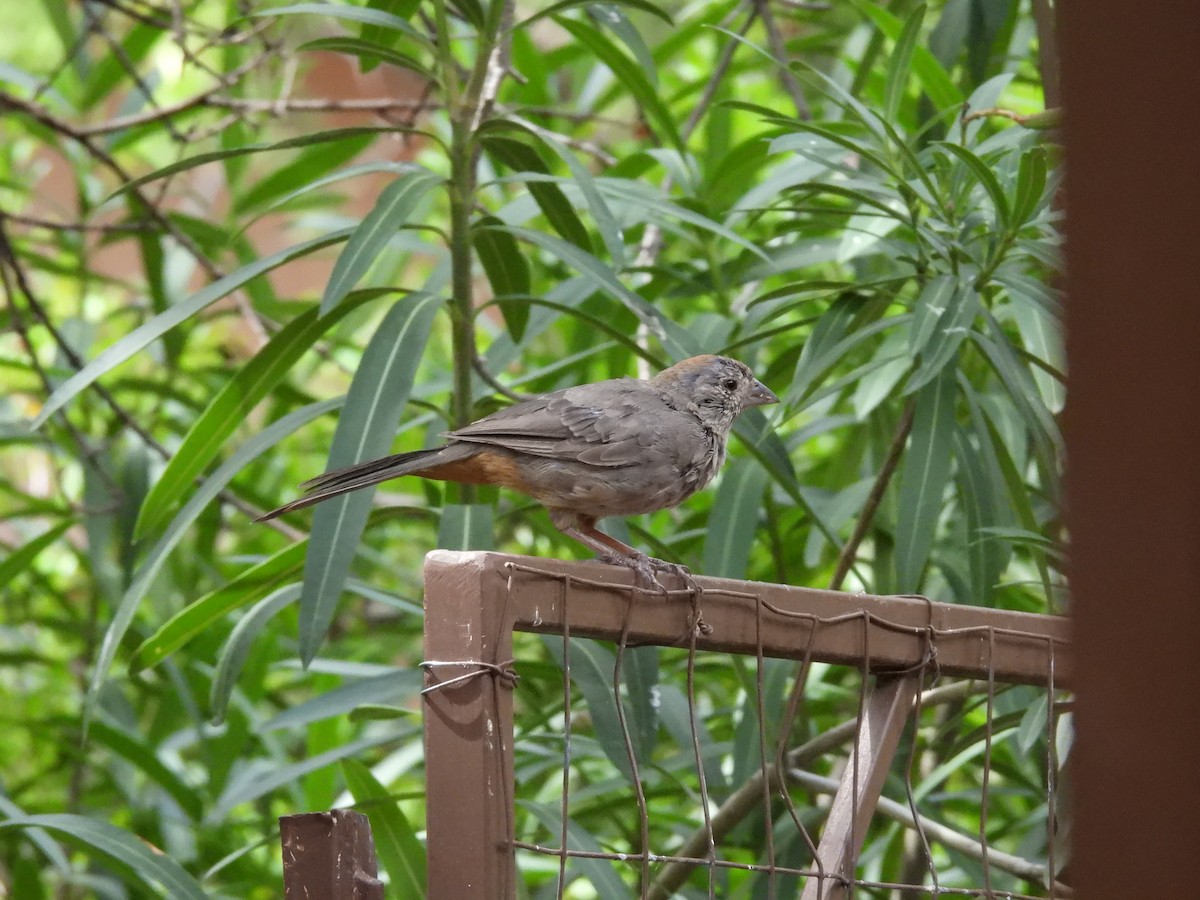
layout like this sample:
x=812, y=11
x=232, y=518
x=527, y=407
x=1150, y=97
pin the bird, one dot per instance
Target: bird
x=621, y=447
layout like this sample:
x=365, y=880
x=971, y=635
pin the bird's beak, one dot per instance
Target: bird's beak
x=760, y=395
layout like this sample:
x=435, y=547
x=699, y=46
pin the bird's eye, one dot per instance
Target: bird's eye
x=730, y=384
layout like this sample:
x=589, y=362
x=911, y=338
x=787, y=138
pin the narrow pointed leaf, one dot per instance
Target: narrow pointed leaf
x=733, y=523
x=305, y=140
x=237, y=647
x=934, y=79
x=466, y=527
x=145, y=759
x=251, y=585
x=606, y=223
x=375, y=17
x=365, y=49
x=252, y=782
x=1031, y=184
x=146, y=334
x=21, y=558
x=953, y=327
x=377, y=397
x=627, y=72
x=153, y=869
x=923, y=478
x=564, y=5
x=228, y=410
x=394, y=686
x=553, y=203
x=595, y=270
x=507, y=271
x=986, y=177
x=395, y=205
x=900, y=65
x=400, y=851
x=930, y=307
x=592, y=671
x=157, y=556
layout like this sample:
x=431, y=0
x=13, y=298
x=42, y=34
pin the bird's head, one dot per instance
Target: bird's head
x=715, y=388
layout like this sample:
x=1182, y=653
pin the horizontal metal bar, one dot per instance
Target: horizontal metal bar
x=880, y=634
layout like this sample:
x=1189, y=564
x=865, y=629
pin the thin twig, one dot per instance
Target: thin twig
x=126, y=418
x=779, y=51
x=866, y=516
x=491, y=381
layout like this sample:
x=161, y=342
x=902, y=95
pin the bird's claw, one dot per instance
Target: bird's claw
x=646, y=568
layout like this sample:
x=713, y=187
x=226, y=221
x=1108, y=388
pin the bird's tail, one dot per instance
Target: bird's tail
x=366, y=474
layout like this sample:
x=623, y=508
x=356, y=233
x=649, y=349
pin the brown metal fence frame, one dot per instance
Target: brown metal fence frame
x=474, y=602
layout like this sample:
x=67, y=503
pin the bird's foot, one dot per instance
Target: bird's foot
x=646, y=567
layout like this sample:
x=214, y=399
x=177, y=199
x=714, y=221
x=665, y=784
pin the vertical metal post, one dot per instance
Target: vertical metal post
x=329, y=855
x=879, y=732
x=1133, y=460
x=468, y=730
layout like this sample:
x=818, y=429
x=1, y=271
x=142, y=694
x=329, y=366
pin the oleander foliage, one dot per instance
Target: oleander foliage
x=558, y=193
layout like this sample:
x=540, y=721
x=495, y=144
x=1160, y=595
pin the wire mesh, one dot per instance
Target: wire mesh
x=660, y=769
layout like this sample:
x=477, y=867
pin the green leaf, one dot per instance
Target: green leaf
x=145, y=759
x=832, y=339
x=663, y=210
x=507, y=271
x=934, y=79
x=22, y=558
x=228, y=410
x=376, y=399
x=1044, y=341
x=581, y=179
x=900, y=64
x=640, y=675
x=157, y=556
x=144, y=335
x=928, y=310
x=237, y=647
x=316, y=137
x=733, y=523
x=1031, y=185
x=591, y=666
x=600, y=873
x=309, y=164
x=251, y=585
x=252, y=782
x=629, y=75
x=395, y=686
x=150, y=867
x=365, y=49
x=400, y=850
x=596, y=271
x=366, y=16
x=1022, y=390
x=985, y=176
x=466, y=527
x=951, y=328
x=555, y=206
x=565, y=5
x=375, y=34
x=986, y=556
x=113, y=66
x=923, y=478
x=392, y=210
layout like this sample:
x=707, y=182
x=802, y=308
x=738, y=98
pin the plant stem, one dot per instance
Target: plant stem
x=469, y=109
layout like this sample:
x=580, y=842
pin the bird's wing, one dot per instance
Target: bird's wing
x=610, y=423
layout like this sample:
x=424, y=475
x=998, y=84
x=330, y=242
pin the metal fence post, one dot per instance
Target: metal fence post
x=329, y=855
x=468, y=730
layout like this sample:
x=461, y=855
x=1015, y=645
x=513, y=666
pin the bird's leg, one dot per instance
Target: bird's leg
x=608, y=549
